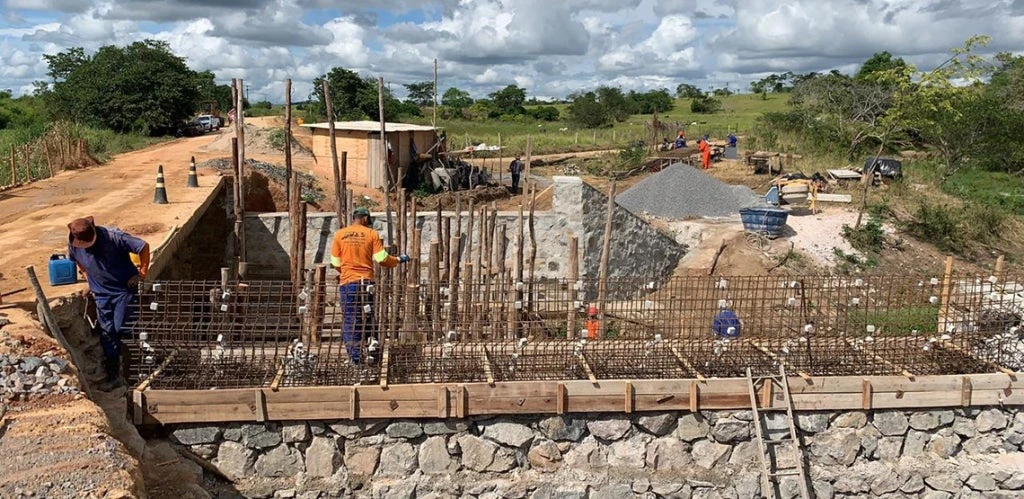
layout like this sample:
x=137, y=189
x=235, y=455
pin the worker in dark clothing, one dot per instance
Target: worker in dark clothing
x=680, y=140
x=516, y=169
x=103, y=254
x=732, y=139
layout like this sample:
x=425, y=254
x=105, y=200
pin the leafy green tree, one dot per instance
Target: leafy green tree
x=543, y=113
x=141, y=87
x=586, y=111
x=509, y=101
x=687, y=91
x=652, y=101
x=355, y=98
x=838, y=108
x=705, y=104
x=878, y=63
x=618, y=106
x=721, y=92
x=421, y=93
x=455, y=102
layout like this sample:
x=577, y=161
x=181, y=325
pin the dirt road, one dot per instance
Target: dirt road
x=34, y=218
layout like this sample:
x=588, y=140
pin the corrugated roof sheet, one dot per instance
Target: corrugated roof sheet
x=372, y=126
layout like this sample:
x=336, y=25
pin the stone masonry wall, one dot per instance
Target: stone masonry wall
x=933, y=454
x=638, y=249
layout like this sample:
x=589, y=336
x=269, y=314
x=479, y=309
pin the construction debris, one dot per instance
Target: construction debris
x=310, y=190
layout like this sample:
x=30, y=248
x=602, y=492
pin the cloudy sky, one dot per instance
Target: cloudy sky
x=550, y=47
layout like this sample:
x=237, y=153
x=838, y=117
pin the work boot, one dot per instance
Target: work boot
x=114, y=379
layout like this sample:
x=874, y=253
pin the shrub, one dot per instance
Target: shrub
x=868, y=238
x=937, y=224
x=705, y=105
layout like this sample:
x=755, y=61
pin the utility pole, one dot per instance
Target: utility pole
x=246, y=91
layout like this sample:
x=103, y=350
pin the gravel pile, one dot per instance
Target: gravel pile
x=24, y=376
x=682, y=191
x=310, y=191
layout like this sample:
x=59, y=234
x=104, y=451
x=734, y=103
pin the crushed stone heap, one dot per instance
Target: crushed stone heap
x=681, y=191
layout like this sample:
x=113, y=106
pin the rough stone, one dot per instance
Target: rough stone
x=205, y=451
x=708, y=454
x=748, y=485
x=885, y=483
x=889, y=448
x=668, y=454
x=744, y=454
x=510, y=434
x=280, y=462
x=404, y=429
x=235, y=460
x=981, y=482
x=667, y=489
x=839, y=447
x=613, y=491
x=692, y=427
x=983, y=444
x=812, y=423
x=823, y=489
x=483, y=455
x=397, y=459
x=964, y=427
x=936, y=494
x=914, y=443
x=361, y=461
x=944, y=446
x=990, y=419
x=891, y=423
x=545, y=456
x=323, y=457
x=197, y=435
x=295, y=432
x=913, y=485
x=434, y=458
x=405, y=489
x=577, y=491
x=445, y=427
x=925, y=421
x=629, y=453
x=263, y=440
x=659, y=424
x=869, y=436
x=730, y=431
x=357, y=429
x=609, y=429
x=947, y=482
x=641, y=485
x=563, y=428
x=589, y=455
x=1015, y=482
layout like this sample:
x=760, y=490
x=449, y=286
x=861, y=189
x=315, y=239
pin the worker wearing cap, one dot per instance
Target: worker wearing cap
x=705, y=152
x=354, y=251
x=103, y=254
x=516, y=169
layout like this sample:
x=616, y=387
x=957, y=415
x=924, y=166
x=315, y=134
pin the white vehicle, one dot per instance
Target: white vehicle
x=207, y=122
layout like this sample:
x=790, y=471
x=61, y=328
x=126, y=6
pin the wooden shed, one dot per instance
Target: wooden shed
x=361, y=140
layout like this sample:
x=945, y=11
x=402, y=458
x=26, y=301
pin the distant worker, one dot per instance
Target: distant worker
x=516, y=169
x=353, y=253
x=705, y=153
x=732, y=139
x=680, y=140
x=593, y=324
x=103, y=254
x=726, y=324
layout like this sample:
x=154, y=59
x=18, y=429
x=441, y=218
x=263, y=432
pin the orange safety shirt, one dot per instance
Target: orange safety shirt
x=355, y=249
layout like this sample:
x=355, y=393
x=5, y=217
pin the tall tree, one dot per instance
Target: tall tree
x=586, y=111
x=421, y=93
x=142, y=87
x=509, y=100
x=687, y=91
x=619, y=108
x=455, y=101
x=878, y=63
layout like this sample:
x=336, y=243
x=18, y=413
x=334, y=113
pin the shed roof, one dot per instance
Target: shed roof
x=371, y=126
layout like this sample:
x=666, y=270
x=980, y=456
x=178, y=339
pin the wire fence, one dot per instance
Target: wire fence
x=206, y=334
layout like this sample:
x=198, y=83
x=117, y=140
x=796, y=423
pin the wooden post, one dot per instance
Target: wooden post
x=49, y=160
x=237, y=201
x=501, y=160
x=384, y=159
x=293, y=217
x=529, y=159
x=1000, y=268
x=339, y=189
x=28, y=163
x=947, y=285
x=240, y=133
x=574, y=275
x=14, y=169
x=288, y=139
x=433, y=121
x=533, y=247
x=319, y=304
x=435, y=288
x=344, y=188
x=602, y=279
x=301, y=249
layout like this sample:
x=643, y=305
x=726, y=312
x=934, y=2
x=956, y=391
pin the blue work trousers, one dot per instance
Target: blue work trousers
x=515, y=183
x=358, y=322
x=115, y=314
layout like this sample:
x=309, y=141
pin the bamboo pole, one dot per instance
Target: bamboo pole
x=288, y=139
x=602, y=283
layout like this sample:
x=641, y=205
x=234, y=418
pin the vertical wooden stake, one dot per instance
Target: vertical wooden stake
x=240, y=134
x=288, y=138
x=574, y=275
x=947, y=287
x=866, y=394
x=529, y=160
x=602, y=283
x=1000, y=268
x=533, y=247
x=435, y=288
x=433, y=121
x=384, y=159
x=629, y=397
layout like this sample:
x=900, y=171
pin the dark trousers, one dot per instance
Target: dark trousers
x=515, y=183
x=114, y=313
x=358, y=323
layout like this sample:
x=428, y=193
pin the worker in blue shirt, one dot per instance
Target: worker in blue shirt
x=103, y=254
x=732, y=139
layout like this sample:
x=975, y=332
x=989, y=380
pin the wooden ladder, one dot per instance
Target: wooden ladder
x=770, y=473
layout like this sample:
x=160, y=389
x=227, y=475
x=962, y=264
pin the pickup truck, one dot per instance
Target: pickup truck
x=208, y=122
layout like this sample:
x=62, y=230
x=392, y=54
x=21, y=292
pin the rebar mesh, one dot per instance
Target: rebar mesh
x=491, y=327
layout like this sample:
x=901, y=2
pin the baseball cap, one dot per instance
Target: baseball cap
x=83, y=232
x=361, y=212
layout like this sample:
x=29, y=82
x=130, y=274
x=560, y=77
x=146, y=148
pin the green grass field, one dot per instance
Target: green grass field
x=739, y=113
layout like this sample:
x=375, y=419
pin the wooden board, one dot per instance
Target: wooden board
x=572, y=396
x=844, y=174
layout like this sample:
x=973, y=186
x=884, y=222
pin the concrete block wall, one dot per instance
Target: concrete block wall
x=638, y=249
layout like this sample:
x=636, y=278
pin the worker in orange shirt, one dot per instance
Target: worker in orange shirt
x=354, y=251
x=705, y=152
